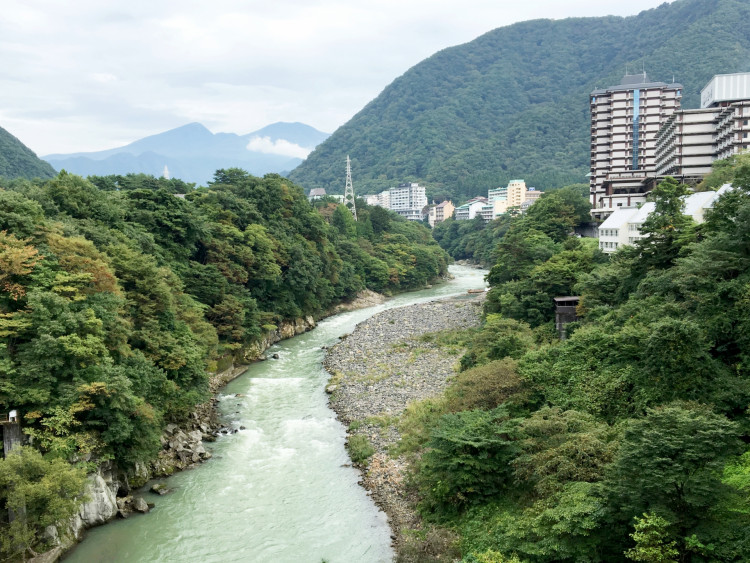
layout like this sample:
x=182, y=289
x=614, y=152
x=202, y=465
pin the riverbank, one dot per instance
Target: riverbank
x=376, y=371
x=115, y=493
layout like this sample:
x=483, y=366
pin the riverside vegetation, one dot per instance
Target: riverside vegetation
x=629, y=440
x=117, y=298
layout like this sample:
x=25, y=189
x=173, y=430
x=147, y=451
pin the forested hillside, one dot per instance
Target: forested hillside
x=628, y=441
x=18, y=161
x=117, y=298
x=514, y=102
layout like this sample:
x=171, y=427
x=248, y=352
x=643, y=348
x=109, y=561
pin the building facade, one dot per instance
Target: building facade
x=440, y=212
x=383, y=199
x=409, y=201
x=685, y=144
x=625, y=120
x=470, y=209
x=624, y=225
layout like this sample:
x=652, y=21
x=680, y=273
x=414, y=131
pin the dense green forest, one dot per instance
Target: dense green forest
x=18, y=161
x=476, y=241
x=628, y=441
x=117, y=297
x=513, y=103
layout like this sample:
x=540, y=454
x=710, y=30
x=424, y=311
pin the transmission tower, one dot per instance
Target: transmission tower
x=349, y=190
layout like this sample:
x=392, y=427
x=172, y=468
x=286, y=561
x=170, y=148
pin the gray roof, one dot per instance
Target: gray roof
x=636, y=81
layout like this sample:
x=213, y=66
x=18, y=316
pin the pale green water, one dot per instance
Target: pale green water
x=278, y=491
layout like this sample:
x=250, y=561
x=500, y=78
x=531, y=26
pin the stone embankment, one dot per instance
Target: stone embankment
x=379, y=369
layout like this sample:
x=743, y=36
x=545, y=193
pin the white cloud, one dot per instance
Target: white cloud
x=280, y=146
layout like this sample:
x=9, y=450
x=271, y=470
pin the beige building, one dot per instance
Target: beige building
x=690, y=140
x=625, y=120
x=440, y=212
x=685, y=144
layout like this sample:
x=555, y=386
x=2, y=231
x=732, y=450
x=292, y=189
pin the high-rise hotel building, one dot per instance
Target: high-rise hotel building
x=624, y=122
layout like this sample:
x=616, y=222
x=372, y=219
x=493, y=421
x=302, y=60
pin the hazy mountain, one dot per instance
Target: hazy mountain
x=513, y=103
x=19, y=161
x=192, y=153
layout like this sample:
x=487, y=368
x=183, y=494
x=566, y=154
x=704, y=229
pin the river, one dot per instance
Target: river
x=279, y=490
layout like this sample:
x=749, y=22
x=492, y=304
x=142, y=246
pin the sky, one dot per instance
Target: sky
x=92, y=75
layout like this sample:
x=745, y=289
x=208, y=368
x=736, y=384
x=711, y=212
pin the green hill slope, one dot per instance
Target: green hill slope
x=18, y=161
x=514, y=102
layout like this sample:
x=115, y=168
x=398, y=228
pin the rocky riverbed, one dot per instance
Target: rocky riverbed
x=380, y=368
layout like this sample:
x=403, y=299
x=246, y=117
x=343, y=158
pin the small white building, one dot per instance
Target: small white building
x=470, y=209
x=383, y=199
x=623, y=226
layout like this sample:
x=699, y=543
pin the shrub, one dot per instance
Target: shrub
x=360, y=448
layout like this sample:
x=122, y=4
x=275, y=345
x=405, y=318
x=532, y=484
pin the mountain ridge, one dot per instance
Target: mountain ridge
x=193, y=153
x=19, y=161
x=514, y=101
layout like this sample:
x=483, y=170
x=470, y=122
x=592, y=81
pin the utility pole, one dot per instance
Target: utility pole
x=349, y=190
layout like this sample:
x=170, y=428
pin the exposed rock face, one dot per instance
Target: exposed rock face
x=102, y=504
x=284, y=331
x=365, y=298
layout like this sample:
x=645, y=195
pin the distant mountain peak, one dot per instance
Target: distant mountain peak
x=193, y=153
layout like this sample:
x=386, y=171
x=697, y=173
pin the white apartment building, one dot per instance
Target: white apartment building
x=623, y=226
x=409, y=201
x=470, y=209
x=625, y=120
x=383, y=199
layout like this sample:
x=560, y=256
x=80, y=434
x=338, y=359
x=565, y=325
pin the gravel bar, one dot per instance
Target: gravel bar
x=379, y=369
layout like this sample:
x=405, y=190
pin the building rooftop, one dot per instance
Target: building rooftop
x=631, y=81
x=317, y=192
x=619, y=217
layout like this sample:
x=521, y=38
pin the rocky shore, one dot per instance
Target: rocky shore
x=380, y=368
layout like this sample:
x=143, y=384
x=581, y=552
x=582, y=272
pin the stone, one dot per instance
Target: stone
x=140, y=505
x=160, y=489
x=102, y=504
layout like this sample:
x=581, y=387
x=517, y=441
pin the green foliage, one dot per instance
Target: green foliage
x=512, y=103
x=485, y=387
x=18, y=161
x=670, y=461
x=360, y=449
x=630, y=436
x=39, y=492
x=652, y=541
x=466, y=460
x=498, y=338
x=562, y=446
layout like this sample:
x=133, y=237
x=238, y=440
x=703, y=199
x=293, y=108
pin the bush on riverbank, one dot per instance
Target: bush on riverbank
x=360, y=449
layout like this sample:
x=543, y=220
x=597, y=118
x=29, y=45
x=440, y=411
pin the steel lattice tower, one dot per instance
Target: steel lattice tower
x=349, y=190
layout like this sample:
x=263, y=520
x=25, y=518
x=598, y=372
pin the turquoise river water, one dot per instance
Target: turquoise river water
x=281, y=490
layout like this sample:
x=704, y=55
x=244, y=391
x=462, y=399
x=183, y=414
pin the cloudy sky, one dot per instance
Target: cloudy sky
x=92, y=74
